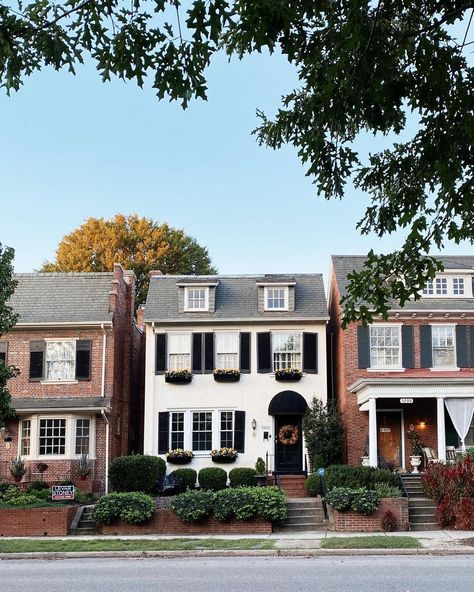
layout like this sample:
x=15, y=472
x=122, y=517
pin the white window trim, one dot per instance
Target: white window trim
x=286, y=289
x=454, y=367
x=216, y=333
x=288, y=331
x=70, y=450
x=188, y=428
x=189, y=352
x=206, y=298
x=398, y=368
x=59, y=340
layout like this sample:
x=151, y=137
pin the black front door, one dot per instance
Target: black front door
x=288, y=444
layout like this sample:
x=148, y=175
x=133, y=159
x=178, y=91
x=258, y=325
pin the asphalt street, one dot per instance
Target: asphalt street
x=238, y=574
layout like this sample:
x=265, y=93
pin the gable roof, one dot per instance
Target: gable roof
x=62, y=298
x=343, y=265
x=236, y=298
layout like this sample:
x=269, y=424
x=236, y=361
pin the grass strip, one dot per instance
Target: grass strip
x=35, y=546
x=370, y=542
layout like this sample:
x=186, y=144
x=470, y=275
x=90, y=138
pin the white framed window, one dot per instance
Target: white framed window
x=385, y=346
x=60, y=360
x=202, y=431
x=286, y=350
x=458, y=286
x=227, y=350
x=177, y=430
x=196, y=299
x=83, y=434
x=469, y=440
x=276, y=298
x=428, y=290
x=226, y=429
x=441, y=286
x=52, y=437
x=25, y=442
x=443, y=342
x=179, y=351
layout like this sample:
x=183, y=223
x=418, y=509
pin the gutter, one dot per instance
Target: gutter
x=104, y=351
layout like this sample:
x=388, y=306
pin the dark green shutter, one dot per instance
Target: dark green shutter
x=363, y=346
x=245, y=353
x=83, y=359
x=208, y=352
x=310, y=353
x=461, y=346
x=426, y=347
x=160, y=365
x=239, y=431
x=3, y=351
x=264, y=352
x=407, y=347
x=197, y=352
x=163, y=432
x=36, y=360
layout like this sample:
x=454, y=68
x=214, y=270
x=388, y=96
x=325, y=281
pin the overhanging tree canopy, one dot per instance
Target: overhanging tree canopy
x=363, y=67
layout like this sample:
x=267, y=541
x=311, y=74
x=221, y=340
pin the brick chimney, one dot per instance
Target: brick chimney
x=140, y=313
x=154, y=272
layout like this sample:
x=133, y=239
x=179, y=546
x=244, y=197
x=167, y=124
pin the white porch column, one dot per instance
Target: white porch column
x=441, y=428
x=373, y=460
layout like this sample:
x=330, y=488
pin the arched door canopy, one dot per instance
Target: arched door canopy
x=287, y=403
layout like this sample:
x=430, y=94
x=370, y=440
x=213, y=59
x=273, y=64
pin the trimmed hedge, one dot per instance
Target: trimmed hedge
x=361, y=500
x=355, y=476
x=212, y=478
x=193, y=506
x=188, y=478
x=312, y=485
x=134, y=508
x=242, y=477
x=137, y=472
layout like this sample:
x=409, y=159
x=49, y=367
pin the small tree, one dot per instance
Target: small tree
x=323, y=431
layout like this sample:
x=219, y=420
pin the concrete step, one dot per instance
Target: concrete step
x=422, y=519
x=299, y=527
x=300, y=513
x=419, y=526
x=421, y=502
x=308, y=501
x=86, y=531
x=305, y=520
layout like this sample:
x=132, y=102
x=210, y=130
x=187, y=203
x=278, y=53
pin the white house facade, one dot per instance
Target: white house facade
x=270, y=330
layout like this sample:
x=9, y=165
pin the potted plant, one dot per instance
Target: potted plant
x=365, y=456
x=226, y=375
x=416, y=451
x=83, y=467
x=17, y=469
x=288, y=374
x=178, y=456
x=224, y=455
x=178, y=376
x=261, y=469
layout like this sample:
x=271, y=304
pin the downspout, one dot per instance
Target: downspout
x=106, y=451
x=104, y=351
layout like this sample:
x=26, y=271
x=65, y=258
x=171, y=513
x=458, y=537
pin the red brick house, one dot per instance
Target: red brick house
x=415, y=370
x=78, y=350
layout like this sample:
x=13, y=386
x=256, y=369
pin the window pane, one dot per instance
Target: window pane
x=276, y=298
x=458, y=286
x=227, y=348
x=384, y=346
x=60, y=360
x=443, y=345
x=202, y=430
x=196, y=298
x=441, y=286
x=82, y=436
x=286, y=350
x=25, y=437
x=177, y=431
x=227, y=429
x=179, y=347
x=52, y=436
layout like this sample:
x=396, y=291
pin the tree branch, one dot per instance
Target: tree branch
x=438, y=23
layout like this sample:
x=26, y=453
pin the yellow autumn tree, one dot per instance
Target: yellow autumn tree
x=138, y=243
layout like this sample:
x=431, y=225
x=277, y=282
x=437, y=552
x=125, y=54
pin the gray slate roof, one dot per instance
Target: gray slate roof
x=236, y=298
x=62, y=297
x=346, y=264
x=51, y=403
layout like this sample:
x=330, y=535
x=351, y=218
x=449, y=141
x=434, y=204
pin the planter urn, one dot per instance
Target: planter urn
x=415, y=462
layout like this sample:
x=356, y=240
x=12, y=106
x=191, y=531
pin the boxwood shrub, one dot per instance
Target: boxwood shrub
x=193, y=506
x=312, y=485
x=242, y=477
x=212, y=478
x=134, y=508
x=188, y=478
x=340, y=498
x=137, y=472
x=355, y=476
x=361, y=500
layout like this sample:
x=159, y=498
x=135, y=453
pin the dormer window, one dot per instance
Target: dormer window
x=441, y=286
x=196, y=299
x=276, y=298
x=450, y=286
x=458, y=286
x=428, y=289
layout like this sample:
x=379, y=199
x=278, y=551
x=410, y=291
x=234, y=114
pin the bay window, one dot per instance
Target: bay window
x=52, y=437
x=83, y=427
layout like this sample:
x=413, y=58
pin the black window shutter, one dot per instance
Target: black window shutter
x=426, y=347
x=310, y=353
x=36, y=360
x=3, y=351
x=160, y=365
x=245, y=353
x=264, y=352
x=407, y=346
x=461, y=346
x=239, y=431
x=471, y=331
x=83, y=359
x=208, y=352
x=197, y=352
x=363, y=346
x=163, y=432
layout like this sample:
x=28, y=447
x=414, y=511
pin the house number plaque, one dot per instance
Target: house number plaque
x=406, y=401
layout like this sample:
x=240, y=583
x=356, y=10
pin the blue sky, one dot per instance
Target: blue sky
x=73, y=147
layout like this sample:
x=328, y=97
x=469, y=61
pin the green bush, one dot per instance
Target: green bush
x=193, y=506
x=312, y=485
x=23, y=500
x=188, y=478
x=134, y=508
x=212, y=478
x=5, y=487
x=38, y=486
x=355, y=476
x=340, y=498
x=271, y=503
x=136, y=473
x=239, y=503
x=385, y=490
x=364, y=501
x=324, y=434
x=242, y=477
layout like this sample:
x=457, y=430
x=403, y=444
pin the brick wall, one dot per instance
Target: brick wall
x=19, y=522
x=164, y=521
x=353, y=522
x=292, y=485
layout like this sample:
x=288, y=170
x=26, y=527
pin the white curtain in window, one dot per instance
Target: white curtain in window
x=461, y=411
x=60, y=360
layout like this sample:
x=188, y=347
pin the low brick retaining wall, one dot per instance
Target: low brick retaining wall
x=353, y=522
x=36, y=521
x=164, y=521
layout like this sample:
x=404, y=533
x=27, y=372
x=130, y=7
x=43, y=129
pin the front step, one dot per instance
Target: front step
x=292, y=485
x=304, y=515
x=86, y=525
x=421, y=510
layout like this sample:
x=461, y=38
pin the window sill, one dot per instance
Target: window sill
x=383, y=369
x=445, y=369
x=59, y=382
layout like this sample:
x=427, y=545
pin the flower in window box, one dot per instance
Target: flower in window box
x=224, y=455
x=178, y=456
x=288, y=374
x=178, y=376
x=226, y=375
